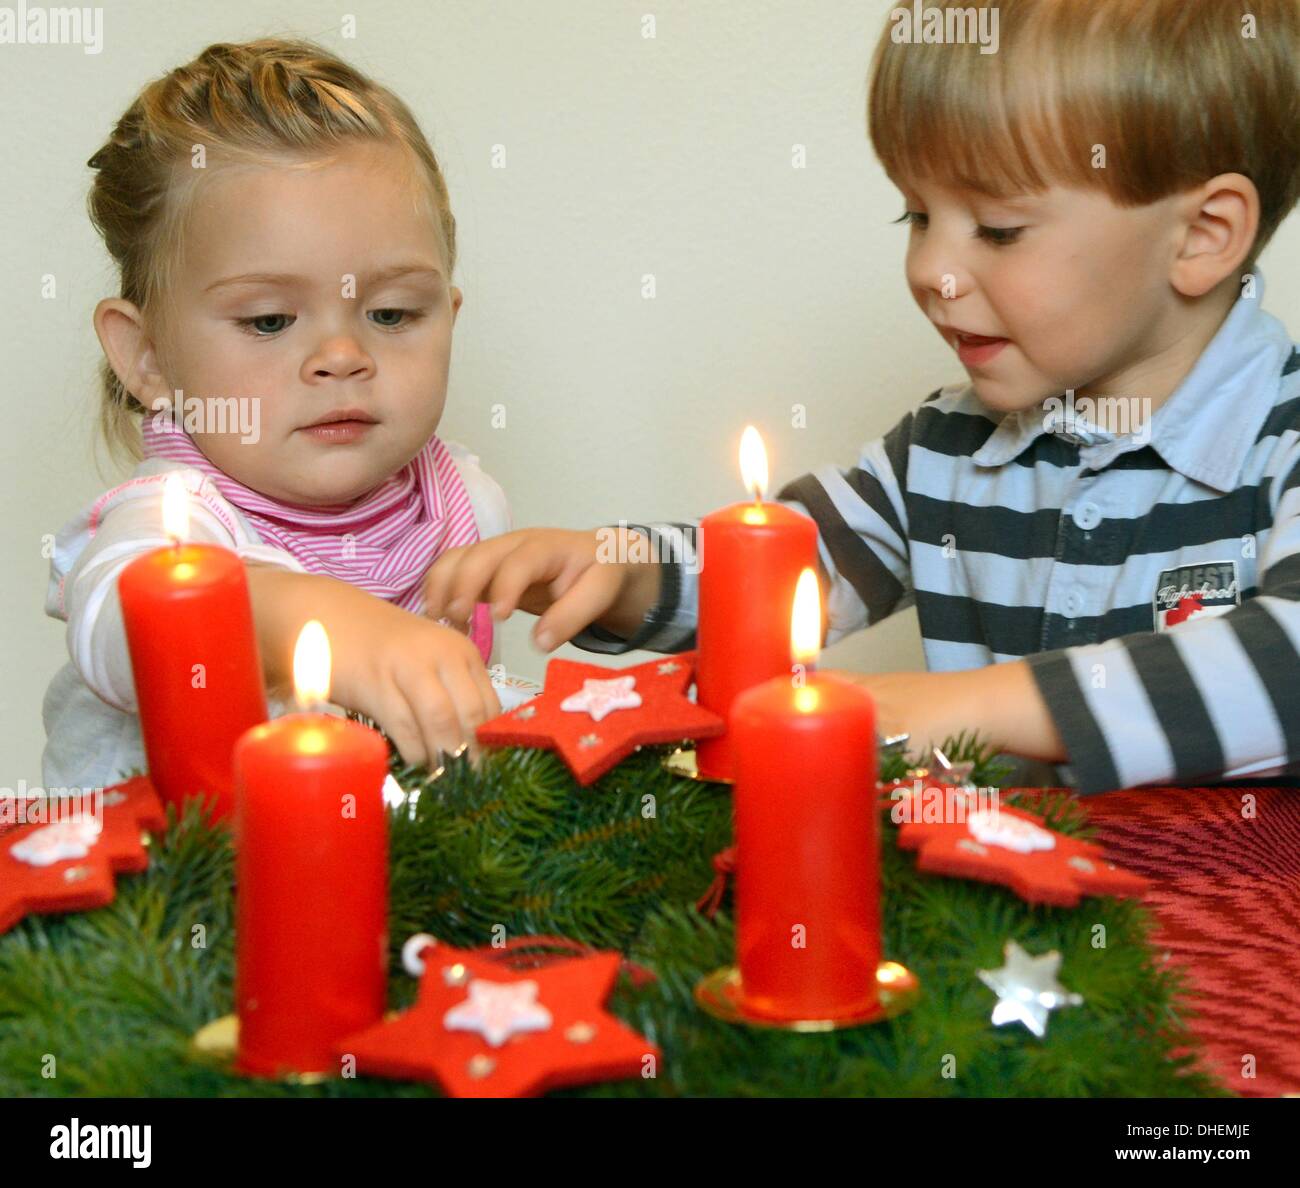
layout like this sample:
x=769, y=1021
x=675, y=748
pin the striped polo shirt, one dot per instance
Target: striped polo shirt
x=1150, y=579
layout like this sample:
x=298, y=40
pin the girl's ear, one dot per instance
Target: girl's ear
x=131, y=353
x=456, y=298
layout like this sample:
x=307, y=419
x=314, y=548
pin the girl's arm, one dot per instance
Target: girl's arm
x=425, y=684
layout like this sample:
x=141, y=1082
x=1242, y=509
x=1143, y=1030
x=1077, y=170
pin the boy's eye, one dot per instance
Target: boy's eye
x=1001, y=236
x=998, y=236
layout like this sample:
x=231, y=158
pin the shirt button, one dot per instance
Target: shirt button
x=1073, y=603
x=1087, y=515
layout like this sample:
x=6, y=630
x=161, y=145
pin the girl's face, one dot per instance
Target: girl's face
x=314, y=290
x=1078, y=286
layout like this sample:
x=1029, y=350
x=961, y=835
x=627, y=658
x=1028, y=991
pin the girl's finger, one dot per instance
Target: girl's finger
x=398, y=722
x=435, y=714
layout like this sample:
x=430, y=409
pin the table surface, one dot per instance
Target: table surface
x=1224, y=863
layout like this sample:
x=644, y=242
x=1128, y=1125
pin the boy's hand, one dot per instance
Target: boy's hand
x=1001, y=702
x=568, y=578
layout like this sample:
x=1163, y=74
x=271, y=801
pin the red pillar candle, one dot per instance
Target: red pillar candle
x=751, y=556
x=198, y=676
x=311, y=870
x=807, y=848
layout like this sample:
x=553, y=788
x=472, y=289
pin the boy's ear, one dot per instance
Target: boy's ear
x=130, y=352
x=1222, y=220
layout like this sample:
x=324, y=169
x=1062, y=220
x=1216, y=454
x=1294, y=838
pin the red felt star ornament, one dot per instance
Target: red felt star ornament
x=610, y=712
x=998, y=844
x=504, y=1037
x=64, y=864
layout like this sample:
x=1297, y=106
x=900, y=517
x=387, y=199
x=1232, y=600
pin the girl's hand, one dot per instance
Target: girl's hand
x=568, y=578
x=424, y=684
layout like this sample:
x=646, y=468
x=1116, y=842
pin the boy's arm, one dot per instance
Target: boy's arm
x=863, y=557
x=1214, y=698
x=667, y=601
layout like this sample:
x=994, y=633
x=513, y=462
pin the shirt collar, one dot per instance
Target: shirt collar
x=1207, y=426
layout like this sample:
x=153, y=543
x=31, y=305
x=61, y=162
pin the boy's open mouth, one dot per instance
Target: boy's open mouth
x=974, y=350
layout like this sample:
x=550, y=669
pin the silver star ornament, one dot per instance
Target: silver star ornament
x=1027, y=988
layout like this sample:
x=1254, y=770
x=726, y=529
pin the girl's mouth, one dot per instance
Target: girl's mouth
x=339, y=431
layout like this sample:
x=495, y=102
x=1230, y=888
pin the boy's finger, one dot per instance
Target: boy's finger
x=477, y=570
x=455, y=569
x=583, y=603
x=532, y=563
x=437, y=579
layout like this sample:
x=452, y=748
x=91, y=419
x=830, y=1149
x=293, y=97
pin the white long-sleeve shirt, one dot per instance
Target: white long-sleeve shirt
x=92, y=727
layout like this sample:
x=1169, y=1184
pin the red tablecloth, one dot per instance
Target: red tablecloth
x=1225, y=868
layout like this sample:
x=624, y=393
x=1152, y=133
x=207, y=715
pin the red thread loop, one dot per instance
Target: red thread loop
x=724, y=862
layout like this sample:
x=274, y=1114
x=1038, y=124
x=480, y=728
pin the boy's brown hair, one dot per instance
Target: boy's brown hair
x=1140, y=98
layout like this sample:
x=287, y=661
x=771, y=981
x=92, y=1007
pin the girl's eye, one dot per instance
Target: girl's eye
x=267, y=324
x=392, y=318
x=998, y=236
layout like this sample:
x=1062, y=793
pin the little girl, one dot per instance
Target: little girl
x=282, y=340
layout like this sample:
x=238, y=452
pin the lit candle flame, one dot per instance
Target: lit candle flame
x=311, y=665
x=806, y=637
x=753, y=463
x=176, y=507
x=806, y=620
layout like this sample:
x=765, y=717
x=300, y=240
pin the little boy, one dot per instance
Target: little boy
x=1101, y=530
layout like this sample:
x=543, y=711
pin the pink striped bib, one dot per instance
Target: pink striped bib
x=383, y=542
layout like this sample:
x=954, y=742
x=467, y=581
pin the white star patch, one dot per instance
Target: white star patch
x=499, y=1010
x=1010, y=832
x=70, y=838
x=599, y=698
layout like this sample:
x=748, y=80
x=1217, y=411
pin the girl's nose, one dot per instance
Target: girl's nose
x=339, y=358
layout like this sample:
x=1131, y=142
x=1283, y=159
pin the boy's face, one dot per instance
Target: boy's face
x=1079, y=290
x=314, y=289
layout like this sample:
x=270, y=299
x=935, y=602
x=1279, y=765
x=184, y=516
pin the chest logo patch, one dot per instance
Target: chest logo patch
x=1190, y=591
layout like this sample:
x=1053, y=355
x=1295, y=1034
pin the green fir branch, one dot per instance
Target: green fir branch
x=514, y=847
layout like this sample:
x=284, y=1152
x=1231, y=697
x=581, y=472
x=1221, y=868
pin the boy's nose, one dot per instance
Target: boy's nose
x=935, y=266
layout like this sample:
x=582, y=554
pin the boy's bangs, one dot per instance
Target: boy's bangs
x=979, y=122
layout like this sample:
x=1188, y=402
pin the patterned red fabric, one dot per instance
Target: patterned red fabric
x=1226, y=900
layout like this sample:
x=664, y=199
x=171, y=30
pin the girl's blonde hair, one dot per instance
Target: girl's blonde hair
x=1142, y=99
x=249, y=102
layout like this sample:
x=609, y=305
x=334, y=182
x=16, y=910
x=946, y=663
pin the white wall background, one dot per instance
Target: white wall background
x=625, y=156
